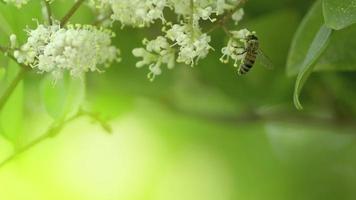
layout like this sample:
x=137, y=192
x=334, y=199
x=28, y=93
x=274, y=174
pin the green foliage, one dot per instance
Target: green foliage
x=203, y=122
x=316, y=49
x=15, y=22
x=333, y=54
x=5, y=26
x=303, y=38
x=339, y=14
x=2, y=73
x=340, y=53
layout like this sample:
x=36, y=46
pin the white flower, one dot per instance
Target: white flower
x=13, y=41
x=76, y=49
x=241, y=34
x=138, y=13
x=156, y=53
x=193, y=45
x=236, y=46
x=238, y=15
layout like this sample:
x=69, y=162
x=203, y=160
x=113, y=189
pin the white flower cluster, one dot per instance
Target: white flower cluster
x=83, y=48
x=76, y=49
x=235, y=47
x=140, y=13
x=156, y=53
x=191, y=44
x=137, y=13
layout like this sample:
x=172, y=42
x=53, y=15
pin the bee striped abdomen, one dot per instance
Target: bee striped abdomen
x=247, y=63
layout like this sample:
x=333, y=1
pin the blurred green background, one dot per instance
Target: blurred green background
x=194, y=133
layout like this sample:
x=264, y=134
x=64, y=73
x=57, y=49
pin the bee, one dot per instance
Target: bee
x=250, y=53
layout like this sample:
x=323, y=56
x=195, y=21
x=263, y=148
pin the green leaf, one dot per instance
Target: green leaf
x=303, y=38
x=339, y=14
x=5, y=26
x=317, y=47
x=64, y=97
x=2, y=73
x=11, y=116
x=19, y=19
x=340, y=53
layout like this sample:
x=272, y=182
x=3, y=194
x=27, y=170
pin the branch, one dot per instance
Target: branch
x=13, y=85
x=71, y=12
x=226, y=17
x=254, y=117
x=48, y=11
x=54, y=130
x=6, y=52
x=96, y=118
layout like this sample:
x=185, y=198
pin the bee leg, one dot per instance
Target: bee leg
x=243, y=50
x=242, y=53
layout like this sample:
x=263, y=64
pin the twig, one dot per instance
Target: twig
x=54, y=130
x=13, y=85
x=6, y=52
x=71, y=12
x=96, y=117
x=99, y=21
x=226, y=17
x=253, y=117
x=48, y=11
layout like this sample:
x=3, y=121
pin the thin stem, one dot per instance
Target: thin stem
x=279, y=116
x=191, y=20
x=3, y=49
x=6, y=50
x=227, y=17
x=48, y=11
x=54, y=130
x=99, y=21
x=71, y=12
x=13, y=85
x=96, y=117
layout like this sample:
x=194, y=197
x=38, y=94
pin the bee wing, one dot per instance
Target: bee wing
x=264, y=60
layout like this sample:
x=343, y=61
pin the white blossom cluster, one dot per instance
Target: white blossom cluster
x=184, y=40
x=140, y=13
x=235, y=47
x=190, y=42
x=156, y=53
x=76, y=49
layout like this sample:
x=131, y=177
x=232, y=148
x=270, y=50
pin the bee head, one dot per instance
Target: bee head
x=251, y=37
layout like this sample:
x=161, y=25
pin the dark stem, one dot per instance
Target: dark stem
x=281, y=116
x=7, y=53
x=49, y=11
x=20, y=75
x=71, y=12
x=13, y=85
x=54, y=130
x=227, y=17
